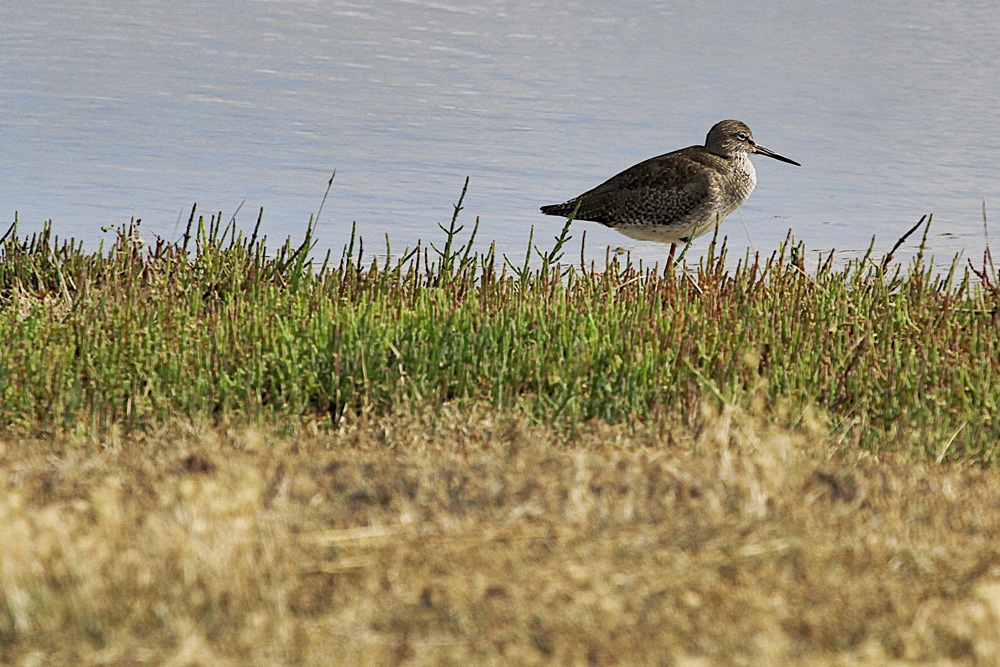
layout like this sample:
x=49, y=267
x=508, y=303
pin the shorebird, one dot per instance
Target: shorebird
x=679, y=196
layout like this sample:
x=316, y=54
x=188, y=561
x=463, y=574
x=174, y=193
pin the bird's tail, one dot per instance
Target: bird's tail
x=559, y=209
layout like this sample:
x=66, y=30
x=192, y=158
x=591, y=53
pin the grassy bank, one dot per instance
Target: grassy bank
x=218, y=326
x=212, y=452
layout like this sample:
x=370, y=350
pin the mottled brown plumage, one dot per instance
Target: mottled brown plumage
x=676, y=197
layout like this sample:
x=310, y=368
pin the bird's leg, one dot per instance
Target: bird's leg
x=670, y=259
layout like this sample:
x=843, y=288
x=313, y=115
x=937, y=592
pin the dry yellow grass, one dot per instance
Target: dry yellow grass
x=468, y=538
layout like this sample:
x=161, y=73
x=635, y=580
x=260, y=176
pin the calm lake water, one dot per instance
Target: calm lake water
x=110, y=111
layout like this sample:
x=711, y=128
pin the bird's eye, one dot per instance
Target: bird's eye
x=742, y=136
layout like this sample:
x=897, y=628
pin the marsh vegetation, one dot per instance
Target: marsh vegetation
x=216, y=452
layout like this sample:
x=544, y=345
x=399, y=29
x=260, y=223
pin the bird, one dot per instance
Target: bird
x=676, y=197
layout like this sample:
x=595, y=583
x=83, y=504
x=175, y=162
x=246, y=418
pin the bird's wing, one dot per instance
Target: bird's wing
x=656, y=191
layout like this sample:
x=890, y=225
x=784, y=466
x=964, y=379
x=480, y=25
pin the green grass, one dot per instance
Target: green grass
x=219, y=326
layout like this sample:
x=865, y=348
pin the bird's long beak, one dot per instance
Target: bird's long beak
x=757, y=148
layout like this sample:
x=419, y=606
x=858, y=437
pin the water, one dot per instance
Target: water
x=108, y=113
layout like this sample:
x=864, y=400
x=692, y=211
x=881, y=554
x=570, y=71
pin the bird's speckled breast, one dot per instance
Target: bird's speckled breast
x=739, y=184
x=736, y=187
